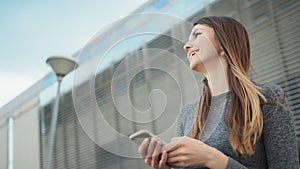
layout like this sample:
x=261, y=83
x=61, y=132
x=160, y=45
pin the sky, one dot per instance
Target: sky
x=32, y=30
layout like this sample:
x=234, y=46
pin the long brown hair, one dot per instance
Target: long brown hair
x=244, y=120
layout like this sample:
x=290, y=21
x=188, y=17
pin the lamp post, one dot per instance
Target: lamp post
x=61, y=66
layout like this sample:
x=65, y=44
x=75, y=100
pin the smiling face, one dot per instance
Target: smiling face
x=202, y=49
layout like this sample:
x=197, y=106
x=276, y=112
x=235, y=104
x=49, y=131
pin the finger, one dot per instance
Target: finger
x=143, y=148
x=151, y=147
x=173, y=160
x=155, y=155
x=148, y=160
x=173, y=153
x=174, y=144
x=162, y=163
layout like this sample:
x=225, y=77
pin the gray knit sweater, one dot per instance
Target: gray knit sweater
x=277, y=148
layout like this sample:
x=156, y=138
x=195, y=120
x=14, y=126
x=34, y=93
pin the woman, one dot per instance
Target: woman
x=255, y=129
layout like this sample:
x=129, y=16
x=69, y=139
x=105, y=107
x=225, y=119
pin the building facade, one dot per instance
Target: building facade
x=117, y=72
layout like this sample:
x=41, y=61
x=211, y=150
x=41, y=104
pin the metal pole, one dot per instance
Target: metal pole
x=10, y=138
x=53, y=125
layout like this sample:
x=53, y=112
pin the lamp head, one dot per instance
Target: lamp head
x=62, y=65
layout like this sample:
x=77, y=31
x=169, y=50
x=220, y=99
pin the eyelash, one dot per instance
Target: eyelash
x=196, y=34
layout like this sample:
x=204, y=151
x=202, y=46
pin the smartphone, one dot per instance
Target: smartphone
x=139, y=136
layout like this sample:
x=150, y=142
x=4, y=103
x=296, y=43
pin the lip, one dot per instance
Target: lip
x=191, y=54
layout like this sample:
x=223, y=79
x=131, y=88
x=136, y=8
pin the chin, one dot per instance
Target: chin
x=196, y=68
x=193, y=67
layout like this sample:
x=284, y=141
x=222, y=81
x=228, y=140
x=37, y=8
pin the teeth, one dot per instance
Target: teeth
x=192, y=54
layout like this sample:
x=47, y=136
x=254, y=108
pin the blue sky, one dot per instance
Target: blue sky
x=33, y=30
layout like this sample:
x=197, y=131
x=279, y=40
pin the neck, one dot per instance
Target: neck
x=217, y=81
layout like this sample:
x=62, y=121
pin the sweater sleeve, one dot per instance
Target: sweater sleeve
x=233, y=164
x=179, y=129
x=278, y=131
x=185, y=119
x=279, y=136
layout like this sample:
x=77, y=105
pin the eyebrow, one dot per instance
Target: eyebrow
x=194, y=32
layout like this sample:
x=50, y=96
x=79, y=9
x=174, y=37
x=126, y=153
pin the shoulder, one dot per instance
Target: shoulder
x=187, y=113
x=188, y=109
x=276, y=105
x=273, y=93
x=190, y=106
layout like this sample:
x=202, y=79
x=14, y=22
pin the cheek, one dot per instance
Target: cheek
x=207, y=51
x=206, y=43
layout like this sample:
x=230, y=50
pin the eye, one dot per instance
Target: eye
x=197, y=34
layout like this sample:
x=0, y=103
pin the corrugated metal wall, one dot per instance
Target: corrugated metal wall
x=273, y=27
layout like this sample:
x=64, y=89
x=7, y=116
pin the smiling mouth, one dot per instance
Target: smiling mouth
x=191, y=55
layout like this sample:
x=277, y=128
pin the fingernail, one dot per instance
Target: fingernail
x=146, y=140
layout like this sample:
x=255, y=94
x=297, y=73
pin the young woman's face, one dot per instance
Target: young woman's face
x=202, y=48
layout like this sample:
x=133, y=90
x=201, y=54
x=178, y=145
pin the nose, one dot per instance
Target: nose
x=187, y=46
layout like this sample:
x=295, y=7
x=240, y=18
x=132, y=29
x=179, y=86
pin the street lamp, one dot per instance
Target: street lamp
x=61, y=66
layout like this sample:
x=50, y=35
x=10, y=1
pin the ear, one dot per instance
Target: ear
x=222, y=53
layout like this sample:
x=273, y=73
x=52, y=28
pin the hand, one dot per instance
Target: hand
x=186, y=151
x=150, y=150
